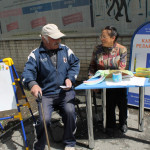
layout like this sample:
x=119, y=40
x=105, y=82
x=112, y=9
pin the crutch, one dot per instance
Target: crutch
x=40, y=100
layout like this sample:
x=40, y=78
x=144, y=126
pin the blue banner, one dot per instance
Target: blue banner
x=133, y=99
x=148, y=61
x=54, y=6
x=37, y=8
x=144, y=30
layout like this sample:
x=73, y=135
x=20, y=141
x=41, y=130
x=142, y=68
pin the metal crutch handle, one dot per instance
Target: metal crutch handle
x=40, y=100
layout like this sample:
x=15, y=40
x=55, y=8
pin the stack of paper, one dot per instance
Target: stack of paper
x=137, y=81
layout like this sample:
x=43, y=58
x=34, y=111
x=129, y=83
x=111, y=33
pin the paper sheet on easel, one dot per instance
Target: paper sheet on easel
x=7, y=96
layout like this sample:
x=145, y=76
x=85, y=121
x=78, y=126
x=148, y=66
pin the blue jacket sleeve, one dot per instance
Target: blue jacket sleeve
x=30, y=71
x=74, y=66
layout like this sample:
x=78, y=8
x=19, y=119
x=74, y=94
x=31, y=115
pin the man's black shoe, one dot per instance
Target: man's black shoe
x=124, y=128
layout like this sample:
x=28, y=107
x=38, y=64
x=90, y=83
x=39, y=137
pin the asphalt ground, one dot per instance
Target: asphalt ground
x=132, y=140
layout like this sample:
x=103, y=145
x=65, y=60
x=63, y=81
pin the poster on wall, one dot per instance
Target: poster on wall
x=140, y=57
x=25, y=18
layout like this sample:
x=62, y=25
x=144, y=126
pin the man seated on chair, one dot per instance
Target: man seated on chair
x=48, y=67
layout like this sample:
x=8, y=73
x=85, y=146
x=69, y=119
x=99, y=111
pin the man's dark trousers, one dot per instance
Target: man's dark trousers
x=65, y=103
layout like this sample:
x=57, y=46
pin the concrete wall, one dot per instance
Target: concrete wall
x=19, y=50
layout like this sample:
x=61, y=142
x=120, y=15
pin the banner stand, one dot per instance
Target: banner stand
x=140, y=57
x=11, y=91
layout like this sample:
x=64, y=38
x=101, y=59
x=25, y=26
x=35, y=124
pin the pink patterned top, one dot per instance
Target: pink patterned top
x=108, y=58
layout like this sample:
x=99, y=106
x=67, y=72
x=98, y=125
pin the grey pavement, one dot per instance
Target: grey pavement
x=132, y=140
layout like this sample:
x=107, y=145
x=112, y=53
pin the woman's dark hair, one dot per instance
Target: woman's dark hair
x=113, y=31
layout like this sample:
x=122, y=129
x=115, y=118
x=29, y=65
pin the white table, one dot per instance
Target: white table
x=104, y=85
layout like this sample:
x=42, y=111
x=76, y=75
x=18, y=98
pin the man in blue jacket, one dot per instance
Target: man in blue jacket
x=48, y=67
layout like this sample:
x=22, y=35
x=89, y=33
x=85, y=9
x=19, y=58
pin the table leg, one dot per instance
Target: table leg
x=141, y=108
x=89, y=118
x=104, y=108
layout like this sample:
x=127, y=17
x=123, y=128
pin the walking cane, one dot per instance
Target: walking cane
x=40, y=100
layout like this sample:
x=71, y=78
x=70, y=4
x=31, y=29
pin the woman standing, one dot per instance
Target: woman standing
x=111, y=55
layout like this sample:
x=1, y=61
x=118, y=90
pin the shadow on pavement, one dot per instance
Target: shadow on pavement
x=133, y=139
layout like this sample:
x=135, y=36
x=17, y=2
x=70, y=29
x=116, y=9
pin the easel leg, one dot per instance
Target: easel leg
x=24, y=135
x=1, y=126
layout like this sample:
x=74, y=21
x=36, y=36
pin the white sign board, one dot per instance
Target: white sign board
x=7, y=95
x=140, y=57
